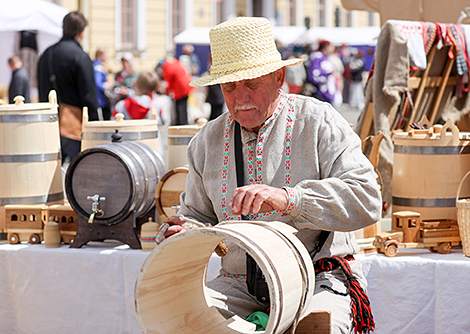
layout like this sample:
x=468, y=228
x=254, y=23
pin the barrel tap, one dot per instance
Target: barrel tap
x=95, y=207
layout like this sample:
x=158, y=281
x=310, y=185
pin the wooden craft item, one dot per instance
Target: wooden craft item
x=148, y=233
x=30, y=162
x=100, y=132
x=168, y=191
x=67, y=219
x=179, y=137
x=112, y=185
x=170, y=297
x=25, y=223
x=51, y=234
x=427, y=169
x=409, y=231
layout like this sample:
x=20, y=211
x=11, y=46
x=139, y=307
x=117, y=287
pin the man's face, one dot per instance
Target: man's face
x=251, y=102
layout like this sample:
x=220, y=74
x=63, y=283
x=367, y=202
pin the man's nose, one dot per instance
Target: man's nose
x=242, y=94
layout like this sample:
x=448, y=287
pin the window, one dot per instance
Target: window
x=64, y=219
x=14, y=218
x=128, y=19
x=322, y=13
x=130, y=33
x=220, y=8
x=292, y=13
x=178, y=17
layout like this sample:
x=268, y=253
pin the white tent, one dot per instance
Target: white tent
x=44, y=17
x=341, y=35
x=200, y=35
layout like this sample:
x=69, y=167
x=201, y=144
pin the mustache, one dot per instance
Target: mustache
x=245, y=107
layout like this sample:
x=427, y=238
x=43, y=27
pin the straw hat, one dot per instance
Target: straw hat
x=242, y=48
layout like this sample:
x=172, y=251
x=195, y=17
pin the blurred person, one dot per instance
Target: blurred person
x=214, y=96
x=190, y=60
x=345, y=55
x=102, y=83
x=126, y=77
x=19, y=83
x=295, y=75
x=356, y=87
x=177, y=79
x=338, y=71
x=140, y=105
x=320, y=73
x=66, y=68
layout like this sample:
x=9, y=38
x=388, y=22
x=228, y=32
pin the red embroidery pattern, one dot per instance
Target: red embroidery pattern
x=257, y=166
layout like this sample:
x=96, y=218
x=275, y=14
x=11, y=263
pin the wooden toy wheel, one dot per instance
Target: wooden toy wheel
x=13, y=238
x=34, y=239
x=432, y=249
x=444, y=248
x=391, y=250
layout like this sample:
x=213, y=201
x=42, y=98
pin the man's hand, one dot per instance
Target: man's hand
x=258, y=198
x=175, y=226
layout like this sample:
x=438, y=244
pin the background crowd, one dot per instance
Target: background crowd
x=333, y=74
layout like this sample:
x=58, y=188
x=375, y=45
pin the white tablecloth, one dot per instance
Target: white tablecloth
x=67, y=290
x=419, y=292
x=91, y=290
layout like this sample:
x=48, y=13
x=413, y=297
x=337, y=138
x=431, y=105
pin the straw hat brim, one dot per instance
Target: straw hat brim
x=244, y=74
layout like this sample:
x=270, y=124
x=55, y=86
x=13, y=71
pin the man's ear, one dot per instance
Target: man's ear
x=280, y=76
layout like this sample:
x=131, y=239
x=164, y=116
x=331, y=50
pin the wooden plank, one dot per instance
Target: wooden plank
x=317, y=322
x=422, y=86
x=431, y=82
x=367, y=124
x=440, y=91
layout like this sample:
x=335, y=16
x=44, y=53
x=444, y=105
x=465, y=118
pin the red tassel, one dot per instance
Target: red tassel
x=363, y=320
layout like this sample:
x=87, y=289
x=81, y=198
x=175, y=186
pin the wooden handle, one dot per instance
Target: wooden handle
x=221, y=249
x=449, y=125
x=460, y=186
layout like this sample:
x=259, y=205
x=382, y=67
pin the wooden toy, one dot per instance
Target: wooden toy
x=30, y=162
x=169, y=189
x=25, y=223
x=111, y=187
x=179, y=137
x=100, y=132
x=170, y=294
x=409, y=231
x=67, y=220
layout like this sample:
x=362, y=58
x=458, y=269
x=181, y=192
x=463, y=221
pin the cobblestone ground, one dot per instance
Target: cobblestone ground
x=351, y=114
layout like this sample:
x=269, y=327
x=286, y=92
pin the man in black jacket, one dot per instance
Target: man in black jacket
x=66, y=68
x=19, y=84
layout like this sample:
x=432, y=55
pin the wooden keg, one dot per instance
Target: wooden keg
x=99, y=132
x=179, y=137
x=170, y=294
x=427, y=169
x=30, y=161
x=124, y=173
x=169, y=189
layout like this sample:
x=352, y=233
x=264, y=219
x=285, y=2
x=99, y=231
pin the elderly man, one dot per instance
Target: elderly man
x=302, y=165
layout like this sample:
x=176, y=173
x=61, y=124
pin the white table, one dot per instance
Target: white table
x=419, y=292
x=91, y=290
x=88, y=290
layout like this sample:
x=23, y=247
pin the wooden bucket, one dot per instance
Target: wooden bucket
x=125, y=173
x=169, y=189
x=100, y=132
x=30, y=161
x=170, y=294
x=427, y=170
x=179, y=137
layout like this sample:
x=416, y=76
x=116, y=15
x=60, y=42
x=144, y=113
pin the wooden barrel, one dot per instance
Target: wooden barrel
x=100, y=132
x=427, y=170
x=169, y=189
x=179, y=137
x=30, y=161
x=169, y=293
x=125, y=173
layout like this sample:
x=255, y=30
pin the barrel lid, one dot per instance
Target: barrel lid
x=184, y=130
x=120, y=124
x=19, y=106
